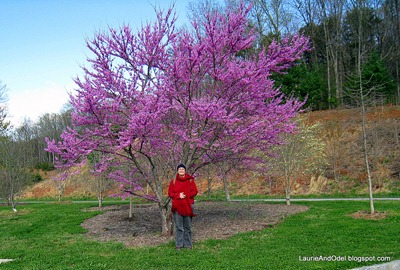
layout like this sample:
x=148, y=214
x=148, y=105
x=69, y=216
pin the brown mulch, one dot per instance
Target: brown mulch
x=366, y=215
x=215, y=220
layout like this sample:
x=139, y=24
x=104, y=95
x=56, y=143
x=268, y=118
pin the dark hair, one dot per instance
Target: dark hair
x=181, y=166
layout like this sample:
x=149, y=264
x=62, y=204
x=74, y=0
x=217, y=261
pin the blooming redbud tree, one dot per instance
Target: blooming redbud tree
x=158, y=97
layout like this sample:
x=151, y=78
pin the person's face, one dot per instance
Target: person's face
x=181, y=171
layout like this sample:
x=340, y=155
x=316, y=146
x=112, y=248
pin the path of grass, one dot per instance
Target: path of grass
x=49, y=236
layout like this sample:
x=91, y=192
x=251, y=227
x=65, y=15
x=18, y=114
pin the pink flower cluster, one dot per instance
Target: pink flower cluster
x=161, y=96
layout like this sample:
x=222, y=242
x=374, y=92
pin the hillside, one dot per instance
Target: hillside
x=341, y=132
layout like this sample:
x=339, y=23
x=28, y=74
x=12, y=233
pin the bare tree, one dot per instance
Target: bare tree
x=4, y=124
x=13, y=170
x=299, y=153
x=359, y=93
x=101, y=182
x=62, y=180
x=225, y=168
x=208, y=171
x=332, y=15
x=50, y=126
x=197, y=9
x=272, y=19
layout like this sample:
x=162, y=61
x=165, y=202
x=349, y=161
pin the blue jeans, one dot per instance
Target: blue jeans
x=183, y=230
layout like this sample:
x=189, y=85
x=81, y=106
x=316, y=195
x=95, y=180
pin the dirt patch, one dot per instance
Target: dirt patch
x=215, y=220
x=366, y=215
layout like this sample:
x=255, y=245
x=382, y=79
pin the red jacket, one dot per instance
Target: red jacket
x=186, y=185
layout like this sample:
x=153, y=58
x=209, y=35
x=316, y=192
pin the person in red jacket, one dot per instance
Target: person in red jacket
x=182, y=191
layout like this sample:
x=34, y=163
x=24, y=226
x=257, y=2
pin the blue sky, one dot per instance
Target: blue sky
x=42, y=46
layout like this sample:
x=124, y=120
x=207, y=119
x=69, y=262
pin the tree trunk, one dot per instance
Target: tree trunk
x=165, y=219
x=287, y=196
x=226, y=187
x=130, y=206
x=100, y=199
x=13, y=204
x=60, y=189
x=364, y=124
x=208, y=183
x=287, y=184
x=371, y=199
x=398, y=84
x=209, y=187
x=327, y=53
x=99, y=191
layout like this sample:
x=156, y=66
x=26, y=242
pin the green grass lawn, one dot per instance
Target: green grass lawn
x=314, y=196
x=49, y=236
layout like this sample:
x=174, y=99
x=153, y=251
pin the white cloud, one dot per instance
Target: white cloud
x=33, y=103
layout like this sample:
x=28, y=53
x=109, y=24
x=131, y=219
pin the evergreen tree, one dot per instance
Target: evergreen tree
x=378, y=83
x=305, y=82
x=375, y=75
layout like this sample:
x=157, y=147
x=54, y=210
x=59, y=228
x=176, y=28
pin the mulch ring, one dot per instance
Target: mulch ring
x=366, y=215
x=214, y=220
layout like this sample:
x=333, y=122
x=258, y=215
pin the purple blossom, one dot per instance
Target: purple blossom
x=161, y=96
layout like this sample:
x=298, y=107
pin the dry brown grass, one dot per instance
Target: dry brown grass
x=367, y=215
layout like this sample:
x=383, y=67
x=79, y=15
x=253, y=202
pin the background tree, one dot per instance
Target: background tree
x=62, y=180
x=199, y=10
x=162, y=97
x=4, y=124
x=389, y=14
x=305, y=83
x=101, y=182
x=50, y=126
x=299, y=153
x=13, y=159
x=332, y=12
x=226, y=167
x=374, y=75
x=207, y=172
x=14, y=173
x=273, y=19
x=24, y=136
x=332, y=28
x=359, y=88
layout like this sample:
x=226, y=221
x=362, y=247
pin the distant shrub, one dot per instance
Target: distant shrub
x=44, y=166
x=36, y=178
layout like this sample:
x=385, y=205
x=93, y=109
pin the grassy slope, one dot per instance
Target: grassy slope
x=49, y=236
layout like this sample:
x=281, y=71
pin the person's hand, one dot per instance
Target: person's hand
x=182, y=195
